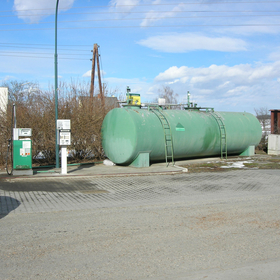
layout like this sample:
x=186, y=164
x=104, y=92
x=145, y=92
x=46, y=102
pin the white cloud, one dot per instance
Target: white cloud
x=237, y=91
x=224, y=85
x=124, y=82
x=274, y=55
x=173, y=82
x=88, y=73
x=153, y=16
x=263, y=25
x=6, y=78
x=222, y=75
x=173, y=73
x=32, y=10
x=236, y=88
x=180, y=43
x=124, y=5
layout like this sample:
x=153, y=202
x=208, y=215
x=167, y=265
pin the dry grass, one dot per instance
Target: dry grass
x=260, y=162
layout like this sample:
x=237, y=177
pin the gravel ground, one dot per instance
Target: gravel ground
x=193, y=226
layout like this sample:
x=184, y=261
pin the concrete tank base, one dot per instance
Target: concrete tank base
x=250, y=151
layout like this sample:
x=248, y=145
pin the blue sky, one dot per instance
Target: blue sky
x=226, y=53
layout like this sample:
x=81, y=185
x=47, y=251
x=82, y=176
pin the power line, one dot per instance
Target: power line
x=19, y=52
x=45, y=57
x=141, y=12
x=150, y=5
x=25, y=44
x=145, y=5
x=23, y=47
x=148, y=26
x=151, y=18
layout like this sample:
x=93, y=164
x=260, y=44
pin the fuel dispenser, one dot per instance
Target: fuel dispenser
x=22, y=151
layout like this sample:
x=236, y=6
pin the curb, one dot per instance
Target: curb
x=11, y=178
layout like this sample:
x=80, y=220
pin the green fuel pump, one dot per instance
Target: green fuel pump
x=19, y=152
x=22, y=151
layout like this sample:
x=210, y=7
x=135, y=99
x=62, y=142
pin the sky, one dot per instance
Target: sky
x=225, y=53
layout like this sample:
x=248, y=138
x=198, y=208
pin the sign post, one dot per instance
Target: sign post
x=64, y=129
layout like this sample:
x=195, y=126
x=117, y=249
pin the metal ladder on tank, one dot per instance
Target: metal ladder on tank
x=168, y=142
x=223, y=134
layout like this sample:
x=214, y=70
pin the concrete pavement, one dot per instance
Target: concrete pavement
x=172, y=225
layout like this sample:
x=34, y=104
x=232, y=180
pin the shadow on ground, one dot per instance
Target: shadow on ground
x=8, y=204
x=80, y=167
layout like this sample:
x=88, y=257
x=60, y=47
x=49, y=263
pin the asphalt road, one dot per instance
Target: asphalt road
x=222, y=225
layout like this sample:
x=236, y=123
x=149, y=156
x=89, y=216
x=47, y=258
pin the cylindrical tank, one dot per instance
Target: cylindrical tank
x=126, y=132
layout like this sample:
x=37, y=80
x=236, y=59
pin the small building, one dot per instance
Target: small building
x=275, y=121
x=274, y=137
x=3, y=99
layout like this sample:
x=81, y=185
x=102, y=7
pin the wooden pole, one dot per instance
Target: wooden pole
x=95, y=47
x=99, y=80
x=95, y=56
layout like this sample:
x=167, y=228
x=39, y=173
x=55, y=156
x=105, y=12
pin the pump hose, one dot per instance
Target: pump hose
x=10, y=146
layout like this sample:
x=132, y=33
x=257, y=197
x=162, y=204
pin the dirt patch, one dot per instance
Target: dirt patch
x=235, y=163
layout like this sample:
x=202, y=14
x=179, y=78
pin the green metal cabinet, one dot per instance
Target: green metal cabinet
x=22, y=154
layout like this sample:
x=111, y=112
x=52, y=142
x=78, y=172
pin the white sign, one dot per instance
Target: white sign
x=63, y=124
x=64, y=138
x=26, y=144
x=24, y=132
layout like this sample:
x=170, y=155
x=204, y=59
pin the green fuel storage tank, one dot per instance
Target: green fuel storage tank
x=137, y=136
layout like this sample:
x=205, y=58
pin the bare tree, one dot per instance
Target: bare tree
x=36, y=109
x=21, y=92
x=263, y=116
x=168, y=94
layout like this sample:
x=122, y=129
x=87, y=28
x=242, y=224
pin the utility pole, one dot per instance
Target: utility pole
x=55, y=89
x=93, y=70
x=95, y=57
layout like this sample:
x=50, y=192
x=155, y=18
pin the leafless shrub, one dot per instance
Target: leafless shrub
x=263, y=116
x=168, y=94
x=36, y=109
